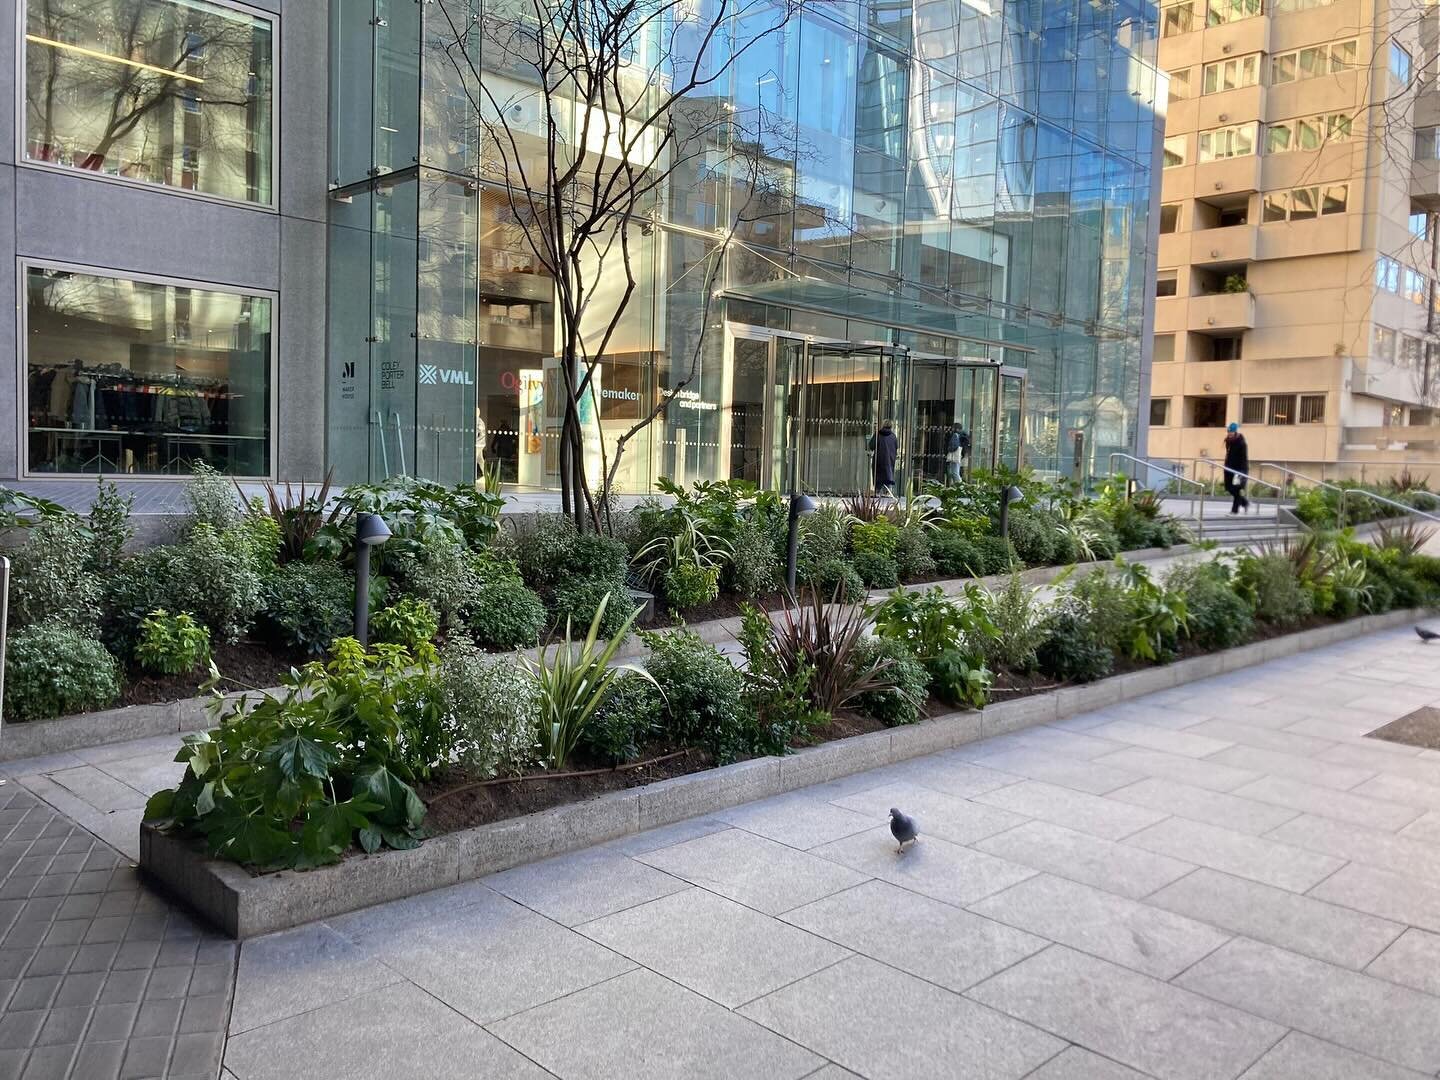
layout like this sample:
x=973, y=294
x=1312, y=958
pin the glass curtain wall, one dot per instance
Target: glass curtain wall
x=982, y=165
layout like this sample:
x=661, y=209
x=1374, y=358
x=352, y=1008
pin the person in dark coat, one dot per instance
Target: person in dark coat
x=886, y=447
x=1237, y=460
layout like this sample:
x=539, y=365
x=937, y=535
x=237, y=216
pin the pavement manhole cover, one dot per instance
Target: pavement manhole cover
x=1419, y=728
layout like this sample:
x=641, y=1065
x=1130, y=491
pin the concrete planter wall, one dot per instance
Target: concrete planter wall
x=244, y=905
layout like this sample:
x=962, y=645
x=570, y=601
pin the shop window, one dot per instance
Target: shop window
x=128, y=376
x=170, y=92
x=1159, y=412
x=1252, y=410
x=1282, y=409
x=1312, y=408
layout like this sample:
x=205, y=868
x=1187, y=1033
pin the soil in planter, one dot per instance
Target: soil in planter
x=242, y=665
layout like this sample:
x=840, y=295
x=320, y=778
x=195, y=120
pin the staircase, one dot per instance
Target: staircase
x=1255, y=526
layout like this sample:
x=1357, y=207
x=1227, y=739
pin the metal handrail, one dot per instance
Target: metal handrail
x=1345, y=493
x=1212, y=464
x=1199, y=517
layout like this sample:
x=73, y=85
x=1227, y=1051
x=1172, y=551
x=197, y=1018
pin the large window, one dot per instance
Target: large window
x=1306, y=132
x=1226, y=11
x=1305, y=204
x=1231, y=74
x=1177, y=18
x=172, y=92
x=142, y=377
x=1400, y=63
x=1175, y=149
x=1180, y=88
x=1316, y=60
x=1238, y=140
x=1159, y=412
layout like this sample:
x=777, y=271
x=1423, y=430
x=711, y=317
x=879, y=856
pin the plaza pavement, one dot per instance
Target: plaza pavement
x=1221, y=880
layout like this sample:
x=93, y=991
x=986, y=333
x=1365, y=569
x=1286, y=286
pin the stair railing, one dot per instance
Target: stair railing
x=1178, y=477
x=1345, y=493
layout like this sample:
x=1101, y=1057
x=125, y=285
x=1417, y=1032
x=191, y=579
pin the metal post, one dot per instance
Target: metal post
x=792, y=547
x=362, y=592
x=1004, y=515
x=4, y=624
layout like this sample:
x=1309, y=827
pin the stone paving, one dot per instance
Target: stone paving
x=1220, y=881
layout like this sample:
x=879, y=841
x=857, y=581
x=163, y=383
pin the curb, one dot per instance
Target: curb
x=244, y=905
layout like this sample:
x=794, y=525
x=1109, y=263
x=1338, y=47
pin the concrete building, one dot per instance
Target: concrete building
x=1296, y=290
x=266, y=235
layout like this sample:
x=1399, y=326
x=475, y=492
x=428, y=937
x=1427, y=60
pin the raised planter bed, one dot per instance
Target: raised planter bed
x=245, y=905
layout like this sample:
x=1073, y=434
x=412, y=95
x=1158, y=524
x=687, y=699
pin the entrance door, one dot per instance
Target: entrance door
x=1010, y=412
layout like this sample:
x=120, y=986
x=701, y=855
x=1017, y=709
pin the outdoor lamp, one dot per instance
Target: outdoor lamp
x=1011, y=494
x=370, y=530
x=799, y=504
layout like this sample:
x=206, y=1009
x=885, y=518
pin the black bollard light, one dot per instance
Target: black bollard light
x=799, y=506
x=370, y=531
x=1011, y=494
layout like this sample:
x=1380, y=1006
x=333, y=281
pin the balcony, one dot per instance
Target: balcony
x=1222, y=311
x=1238, y=38
x=1232, y=244
x=1425, y=184
x=1231, y=176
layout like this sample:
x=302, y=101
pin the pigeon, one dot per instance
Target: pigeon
x=905, y=829
x=1427, y=636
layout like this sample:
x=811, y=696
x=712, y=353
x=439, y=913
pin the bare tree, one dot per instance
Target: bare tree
x=592, y=115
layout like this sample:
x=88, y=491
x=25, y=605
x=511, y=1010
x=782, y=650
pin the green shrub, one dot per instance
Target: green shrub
x=876, y=570
x=753, y=568
x=212, y=498
x=995, y=555
x=1270, y=584
x=1033, y=534
x=578, y=601
x=207, y=574
x=913, y=560
x=506, y=615
x=904, y=702
x=407, y=622
x=450, y=578
x=1072, y=650
x=491, y=711
x=834, y=577
x=949, y=638
x=1105, y=602
x=878, y=537
x=627, y=719
x=309, y=605
x=1067, y=547
x=296, y=780
x=824, y=535
x=256, y=537
x=172, y=644
x=51, y=577
x=1015, y=613
x=1219, y=617
x=687, y=585
x=110, y=528
x=955, y=553
x=553, y=553
x=52, y=670
x=957, y=678
x=703, y=695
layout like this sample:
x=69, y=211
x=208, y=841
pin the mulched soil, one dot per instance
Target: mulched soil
x=243, y=665
x=1419, y=728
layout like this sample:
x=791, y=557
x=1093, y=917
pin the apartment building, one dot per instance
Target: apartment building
x=1296, y=289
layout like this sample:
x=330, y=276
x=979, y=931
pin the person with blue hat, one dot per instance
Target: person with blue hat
x=1237, y=465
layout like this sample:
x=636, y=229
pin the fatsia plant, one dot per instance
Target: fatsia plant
x=571, y=683
x=297, y=780
x=1158, y=614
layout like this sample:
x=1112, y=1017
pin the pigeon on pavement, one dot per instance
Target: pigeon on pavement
x=1427, y=636
x=904, y=829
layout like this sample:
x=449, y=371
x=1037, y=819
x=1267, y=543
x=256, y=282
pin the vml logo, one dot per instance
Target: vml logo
x=430, y=375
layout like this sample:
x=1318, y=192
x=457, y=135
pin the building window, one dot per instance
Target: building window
x=1169, y=217
x=1383, y=347
x=1306, y=132
x=1425, y=144
x=1164, y=350
x=1177, y=18
x=1419, y=224
x=1159, y=412
x=171, y=92
x=1225, y=348
x=1238, y=140
x=1227, y=11
x=1180, y=84
x=1312, y=408
x=1231, y=74
x=1282, y=7
x=1317, y=60
x=128, y=376
x=1416, y=287
x=1304, y=204
x=1412, y=351
x=1282, y=409
x=1206, y=412
x=1252, y=410
x=1174, y=151
x=1165, y=282
x=1400, y=63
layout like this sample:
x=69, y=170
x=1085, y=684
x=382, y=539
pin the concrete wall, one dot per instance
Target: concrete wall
x=52, y=214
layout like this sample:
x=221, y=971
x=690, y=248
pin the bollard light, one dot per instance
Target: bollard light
x=1011, y=494
x=370, y=531
x=799, y=506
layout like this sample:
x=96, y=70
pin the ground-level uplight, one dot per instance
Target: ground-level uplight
x=1011, y=494
x=799, y=506
x=370, y=531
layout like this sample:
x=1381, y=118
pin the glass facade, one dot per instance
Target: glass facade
x=144, y=377
x=962, y=235
x=171, y=92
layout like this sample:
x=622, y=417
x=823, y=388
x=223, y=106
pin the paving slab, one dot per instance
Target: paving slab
x=1206, y=806
x=1294, y=766
x=576, y=888
x=932, y=867
x=1081, y=774
x=961, y=821
x=1252, y=857
x=1302, y=1057
x=1393, y=896
x=1195, y=772
x=1117, y=868
x=1375, y=1017
x=1328, y=803
x=1372, y=847
x=1141, y=1022
x=1074, y=809
x=1413, y=960
x=1076, y=1063
x=923, y=937
x=885, y=1024
x=1154, y=737
x=798, y=820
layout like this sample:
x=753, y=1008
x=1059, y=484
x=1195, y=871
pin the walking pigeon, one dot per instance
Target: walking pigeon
x=905, y=829
x=1427, y=636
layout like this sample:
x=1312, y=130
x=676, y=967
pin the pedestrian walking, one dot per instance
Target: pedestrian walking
x=957, y=449
x=1237, y=465
x=886, y=448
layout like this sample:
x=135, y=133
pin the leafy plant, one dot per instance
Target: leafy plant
x=583, y=600
x=301, y=514
x=1158, y=615
x=172, y=644
x=407, y=622
x=571, y=684
x=51, y=576
x=110, y=528
x=20, y=511
x=627, y=718
x=309, y=605
x=955, y=553
x=957, y=678
x=52, y=669
x=687, y=585
x=1270, y=583
x=689, y=543
x=904, y=702
x=824, y=536
x=949, y=639
x=994, y=555
x=913, y=560
x=833, y=576
x=753, y=568
x=777, y=691
x=211, y=498
x=1072, y=650
x=506, y=615
x=296, y=780
x=1218, y=616
x=1019, y=621
x=1033, y=535
x=491, y=711
x=704, y=700
x=874, y=537
x=417, y=513
x=1407, y=537
x=876, y=570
